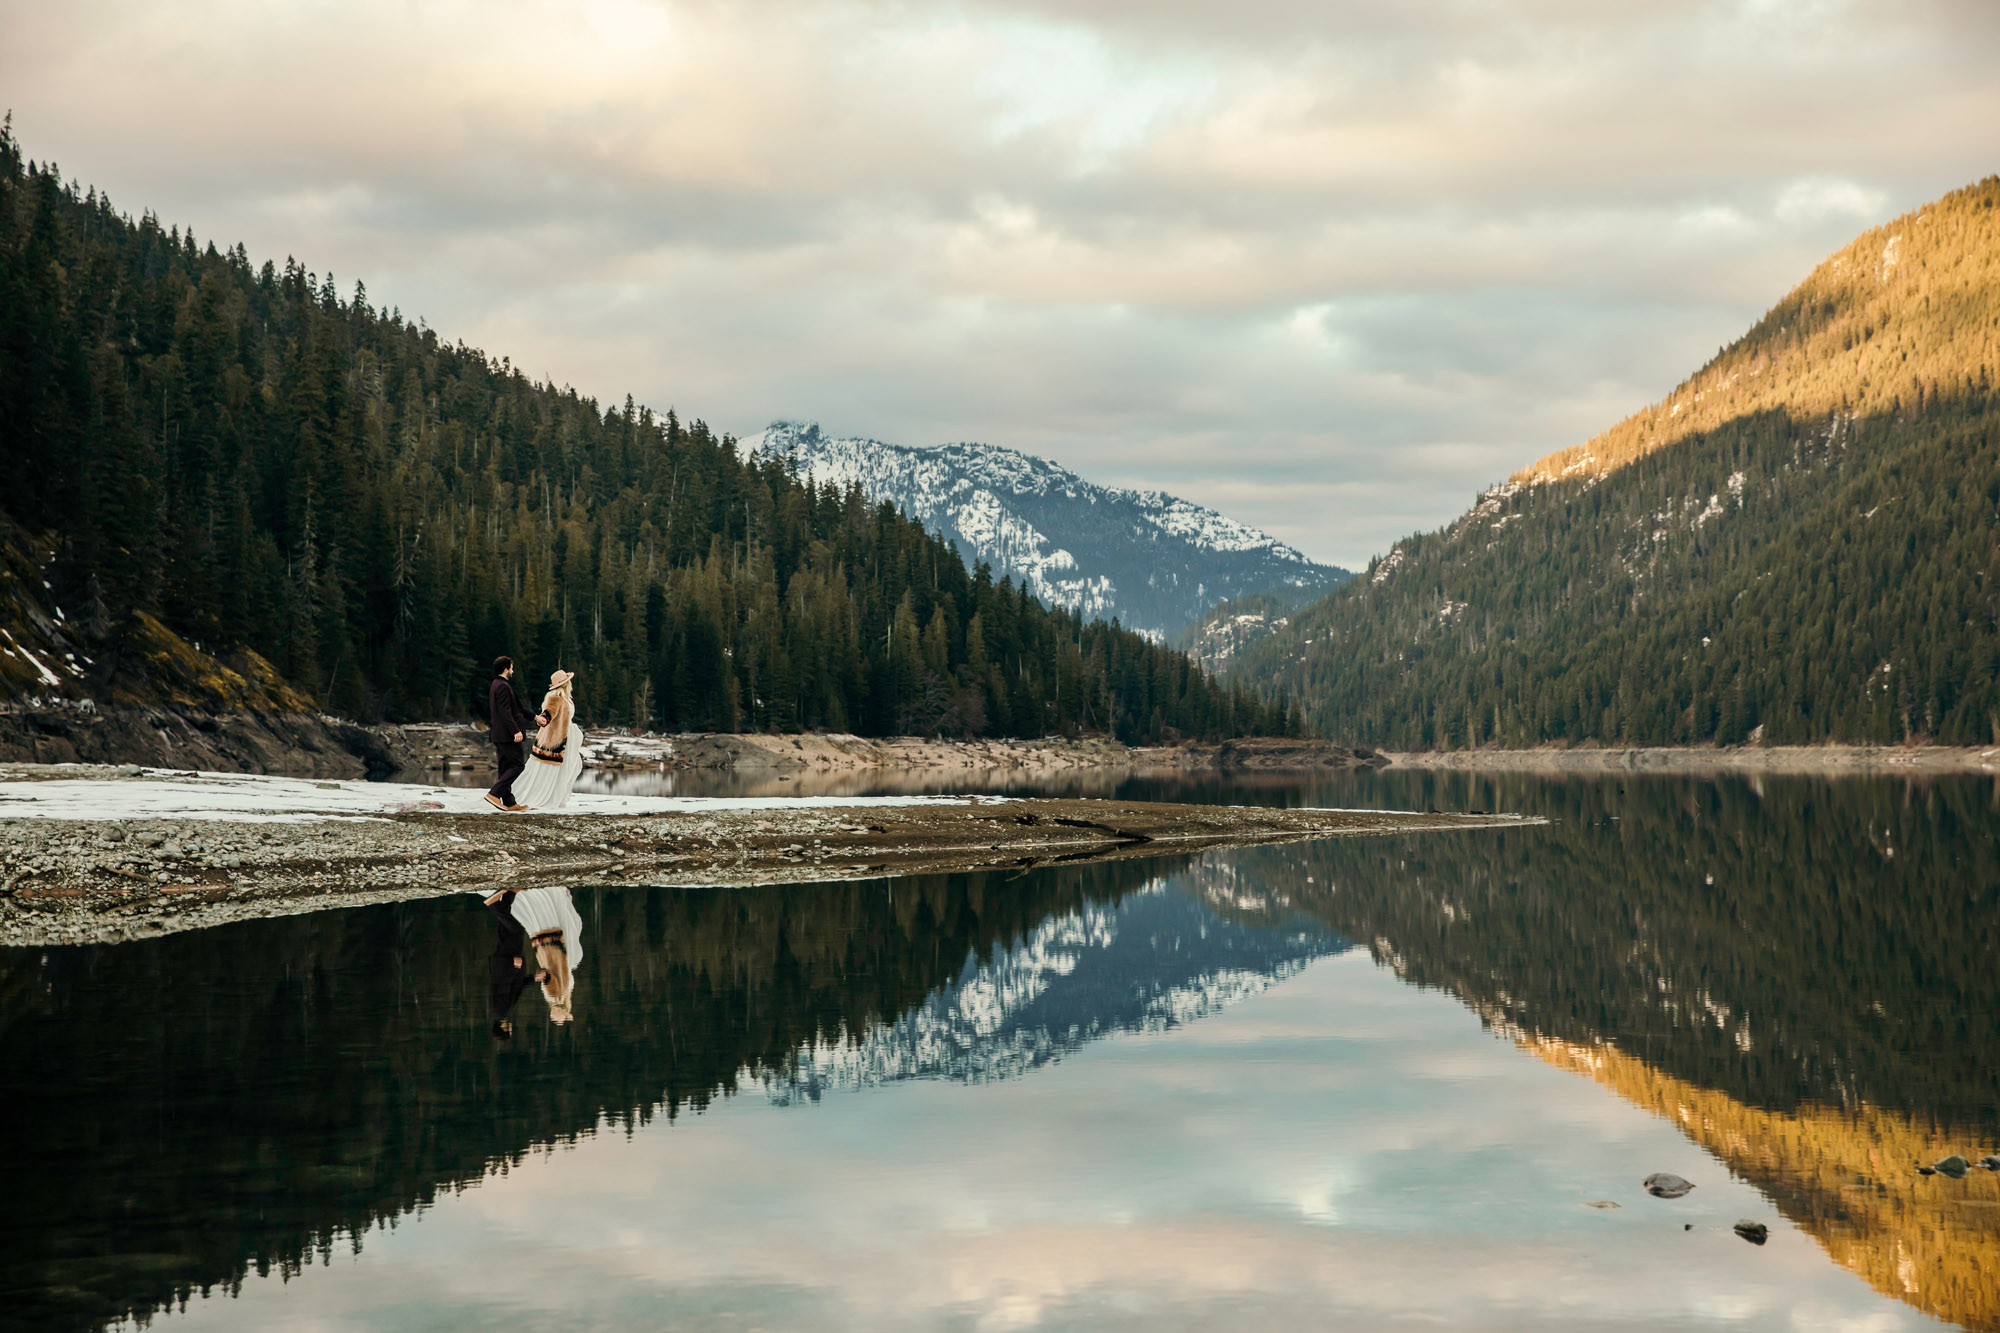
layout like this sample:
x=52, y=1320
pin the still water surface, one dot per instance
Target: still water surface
x=1361, y=1083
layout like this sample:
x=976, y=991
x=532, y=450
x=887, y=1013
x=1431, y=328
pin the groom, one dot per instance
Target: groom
x=507, y=723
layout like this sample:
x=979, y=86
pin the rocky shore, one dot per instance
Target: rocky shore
x=1799, y=759
x=301, y=743
x=99, y=855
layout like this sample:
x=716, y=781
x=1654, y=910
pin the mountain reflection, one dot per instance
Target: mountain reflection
x=1845, y=1177
x=1784, y=940
x=1799, y=974
x=1154, y=959
x=244, y=1097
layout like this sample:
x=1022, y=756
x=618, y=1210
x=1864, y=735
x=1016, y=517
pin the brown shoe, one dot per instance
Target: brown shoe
x=496, y=802
x=515, y=809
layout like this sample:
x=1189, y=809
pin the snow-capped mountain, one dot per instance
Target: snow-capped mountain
x=1153, y=561
x=1175, y=952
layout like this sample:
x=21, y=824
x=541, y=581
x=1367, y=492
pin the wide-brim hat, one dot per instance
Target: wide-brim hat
x=559, y=678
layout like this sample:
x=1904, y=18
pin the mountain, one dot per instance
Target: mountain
x=1152, y=561
x=1801, y=543
x=237, y=457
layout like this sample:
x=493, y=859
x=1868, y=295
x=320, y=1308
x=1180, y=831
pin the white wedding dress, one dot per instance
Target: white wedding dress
x=545, y=786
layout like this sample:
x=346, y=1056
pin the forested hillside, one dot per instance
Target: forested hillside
x=259, y=462
x=1799, y=544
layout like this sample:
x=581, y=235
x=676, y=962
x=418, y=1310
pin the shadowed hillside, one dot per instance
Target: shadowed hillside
x=1800, y=544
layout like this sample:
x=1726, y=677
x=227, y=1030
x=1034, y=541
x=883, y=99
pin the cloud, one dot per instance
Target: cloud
x=1088, y=229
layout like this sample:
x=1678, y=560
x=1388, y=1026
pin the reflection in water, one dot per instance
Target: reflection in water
x=1144, y=963
x=337, y=1071
x=1785, y=941
x=1795, y=974
x=544, y=923
x=555, y=932
x=1844, y=1176
x=507, y=973
x=1798, y=974
x=1078, y=782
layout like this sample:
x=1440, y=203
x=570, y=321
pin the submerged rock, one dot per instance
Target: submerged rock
x=1599, y=1203
x=1667, y=1185
x=1754, y=1232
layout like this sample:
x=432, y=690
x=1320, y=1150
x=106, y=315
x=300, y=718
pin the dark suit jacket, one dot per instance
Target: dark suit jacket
x=507, y=715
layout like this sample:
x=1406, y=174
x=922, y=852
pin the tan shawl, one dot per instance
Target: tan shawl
x=560, y=710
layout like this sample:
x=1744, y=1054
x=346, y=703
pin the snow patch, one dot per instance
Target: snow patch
x=255, y=798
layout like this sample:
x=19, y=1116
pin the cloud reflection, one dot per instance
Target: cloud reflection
x=1341, y=1147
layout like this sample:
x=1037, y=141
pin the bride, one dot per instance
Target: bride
x=557, y=756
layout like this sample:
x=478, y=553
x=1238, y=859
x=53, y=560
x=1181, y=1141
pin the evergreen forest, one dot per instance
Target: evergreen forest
x=1801, y=544
x=257, y=461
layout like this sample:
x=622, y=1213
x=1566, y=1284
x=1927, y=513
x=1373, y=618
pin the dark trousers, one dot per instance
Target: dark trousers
x=513, y=757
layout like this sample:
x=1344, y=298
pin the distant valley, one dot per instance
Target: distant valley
x=1152, y=561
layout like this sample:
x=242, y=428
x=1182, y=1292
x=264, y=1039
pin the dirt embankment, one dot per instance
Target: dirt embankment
x=1804, y=759
x=294, y=744
x=73, y=691
x=74, y=881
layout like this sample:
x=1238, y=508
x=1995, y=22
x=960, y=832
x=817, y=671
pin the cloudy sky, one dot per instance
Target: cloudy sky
x=1328, y=266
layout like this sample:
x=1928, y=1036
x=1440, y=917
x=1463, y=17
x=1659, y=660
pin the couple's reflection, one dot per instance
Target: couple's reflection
x=540, y=939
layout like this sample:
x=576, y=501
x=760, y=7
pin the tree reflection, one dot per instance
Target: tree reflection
x=1796, y=973
x=242, y=1098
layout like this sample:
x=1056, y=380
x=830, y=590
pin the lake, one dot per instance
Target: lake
x=1377, y=1082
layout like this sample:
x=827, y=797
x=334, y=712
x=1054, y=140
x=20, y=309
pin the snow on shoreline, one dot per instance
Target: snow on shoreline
x=162, y=793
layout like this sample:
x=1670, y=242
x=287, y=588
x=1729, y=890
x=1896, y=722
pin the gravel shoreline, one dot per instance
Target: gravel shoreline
x=1804, y=759
x=67, y=881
